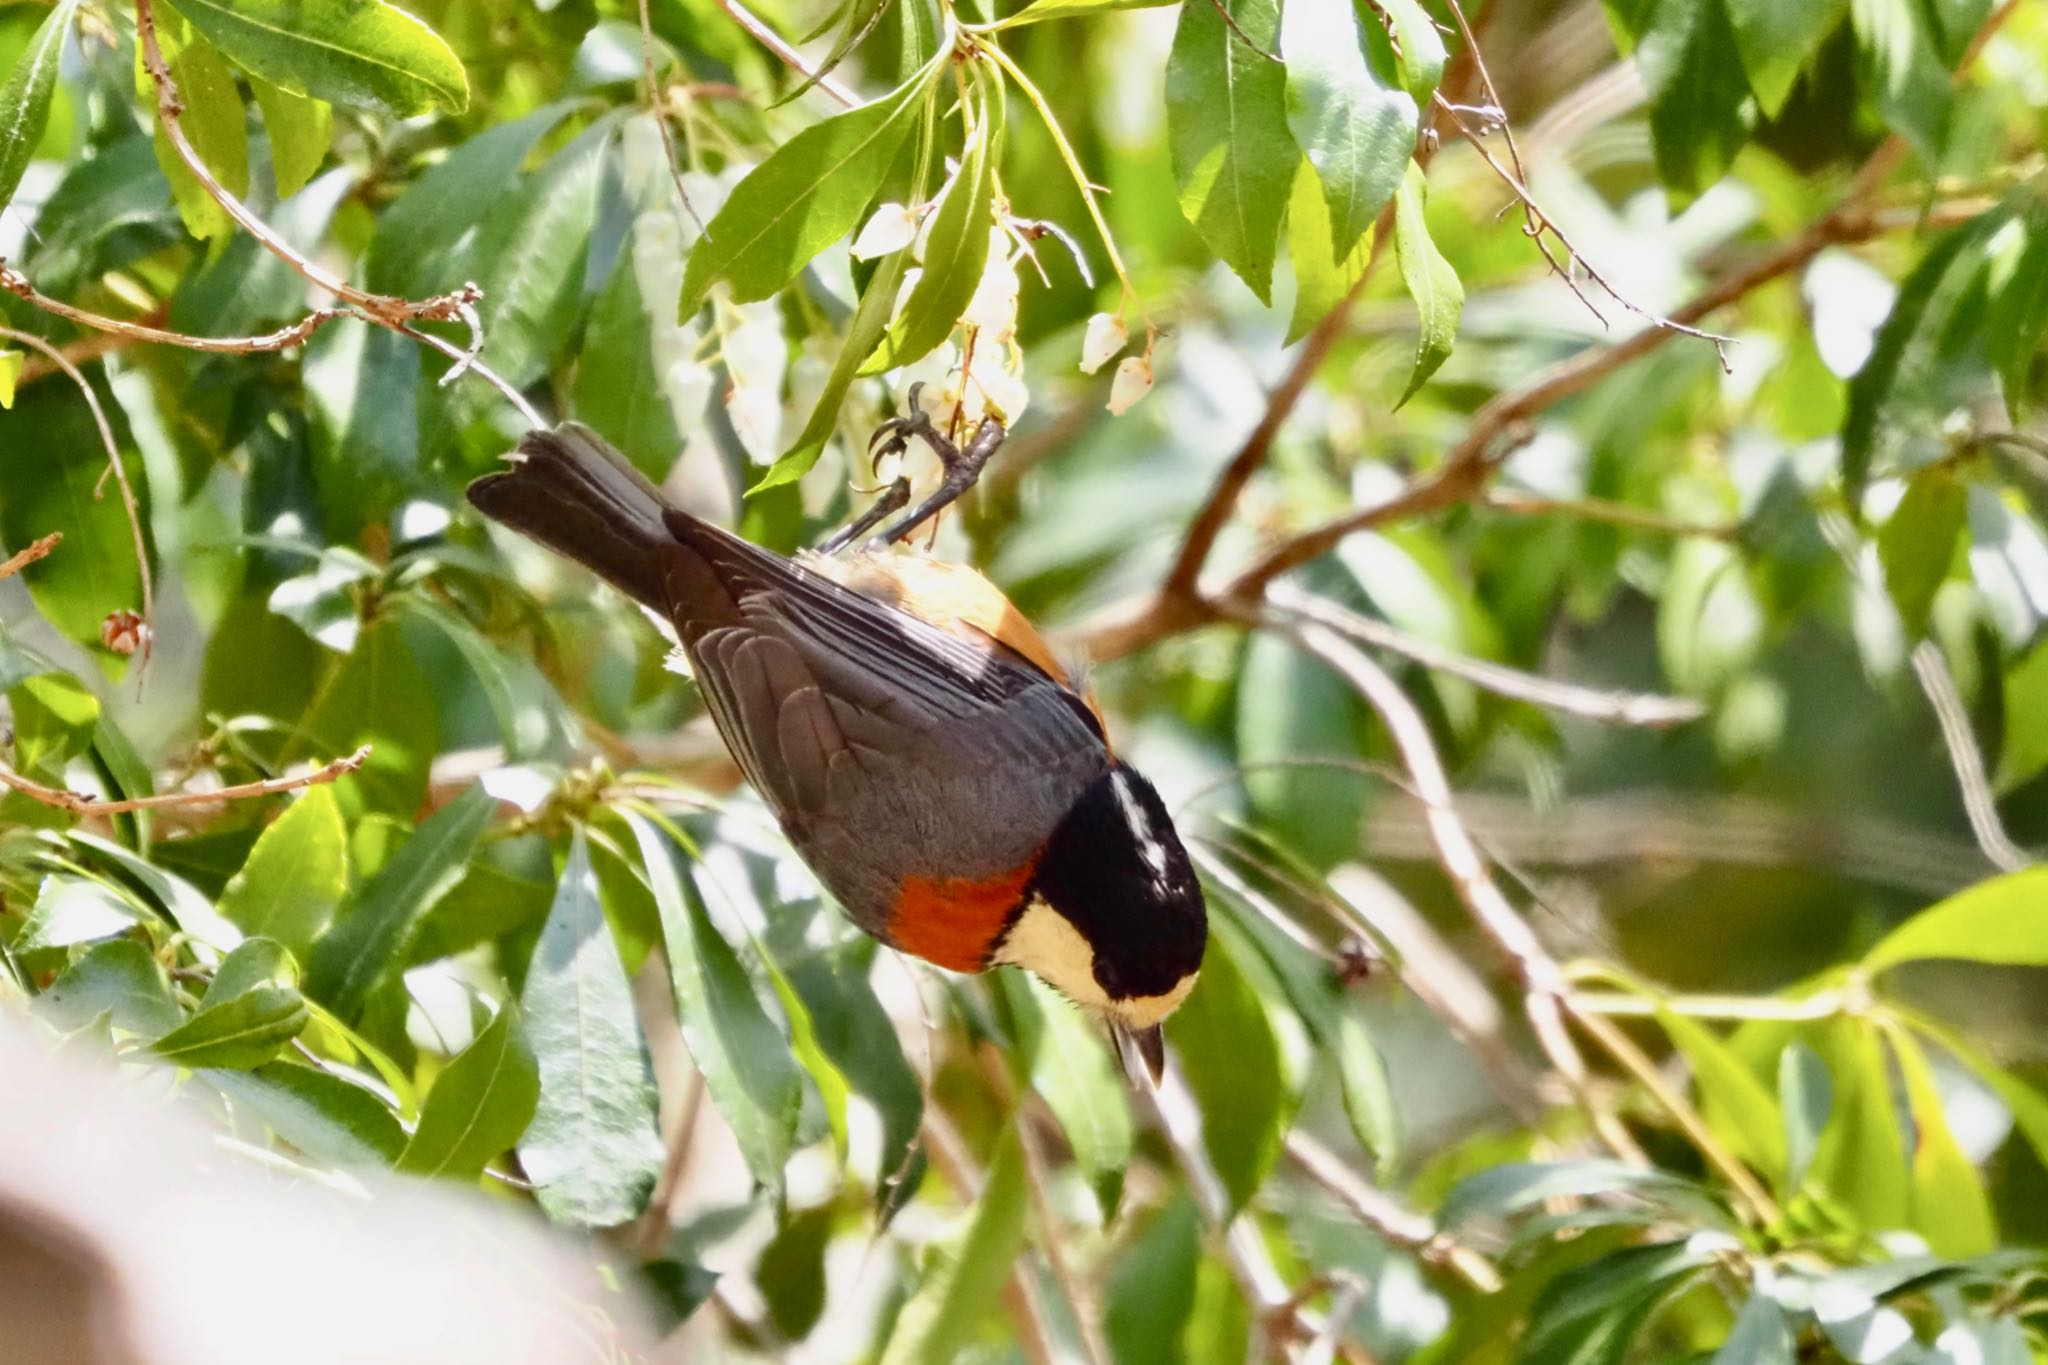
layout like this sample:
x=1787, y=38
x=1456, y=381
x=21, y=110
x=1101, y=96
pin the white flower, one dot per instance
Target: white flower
x=1133, y=381
x=892, y=228
x=996, y=392
x=1106, y=336
x=993, y=309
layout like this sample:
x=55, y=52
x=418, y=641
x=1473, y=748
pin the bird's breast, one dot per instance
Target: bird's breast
x=956, y=921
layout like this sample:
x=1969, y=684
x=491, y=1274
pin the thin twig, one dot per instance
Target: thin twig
x=1608, y=511
x=18, y=284
x=84, y=803
x=1980, y=803
x=81, y=352
x=385, y=309
x=1648, y=710
x=1396, y=1225
x=787, y=54
x=659, y=105
x=115, y=467
x=30, y=553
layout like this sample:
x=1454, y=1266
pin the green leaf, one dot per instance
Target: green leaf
x=1917, y=546
x=1700, y=105
x=1321, y=281
x=54, y=718
x=70, y=910
x=854, y=1032
x=1504, y=1191
x=212, y=120
x=1432, y=282
x=1422, y=46
x=1862, y=1159
x=1734, y=1102
x=741, y=1054
x=1589, y=1314
x=2023, y=751
x=11, y=365
x=301, y=130
x=94, y=571
x=620, y=389
x=957, y=250
x=25, y=106
x=1290, y=706
x=791, y=1272
x=1922, y=309
x=594, y=1148
x=1226, y=122
x=373, y=697
x=480, y=1105
x=1232, y=1058
x=1951, y=1208
x=1368, y=1094
x=1776, y=38
x=1151, y=1291
x=2027, y=1105
x=241, y=1034
x=1897, y=57
x=1073, y=1073
x=2003, y=921
x=295, y=874
x=327, y=1118
x=808, y=194
x=370, y=937
x=946, y=1313
x=2018, y=317
x=122, y=980
x=1806, y=1098
x=1357, y=130
x=870, y=323
x=344, y=51
x=254, y=962
x=1761, y=1336
x=1038, y=11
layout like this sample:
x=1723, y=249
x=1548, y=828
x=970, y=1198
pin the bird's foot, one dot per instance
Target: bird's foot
x=963, y=468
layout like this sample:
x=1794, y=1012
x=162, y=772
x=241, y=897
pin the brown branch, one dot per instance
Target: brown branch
x=84, y=803
x=115, y=467
x=123, y=333
x=81, y=352
x=1396, y=1225
x=30, y=553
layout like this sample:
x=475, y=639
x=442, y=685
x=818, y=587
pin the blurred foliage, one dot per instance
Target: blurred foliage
x=539, y=941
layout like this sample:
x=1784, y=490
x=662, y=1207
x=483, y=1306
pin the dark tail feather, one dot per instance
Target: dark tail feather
x=573, y=493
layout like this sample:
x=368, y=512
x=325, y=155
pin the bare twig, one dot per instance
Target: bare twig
x=84, y=803
x=81, y=352
x=1980, y=803
x=659, y=105
x=385, y=309
x=1396, y=1225
x=14, y=282
x=30, y=553
x=1620, y=708
x=787, y=54
x=115, y=467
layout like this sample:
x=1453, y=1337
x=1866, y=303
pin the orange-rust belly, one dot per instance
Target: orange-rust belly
x=954, y=921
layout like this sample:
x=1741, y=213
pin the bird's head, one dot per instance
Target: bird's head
x=1114, y=918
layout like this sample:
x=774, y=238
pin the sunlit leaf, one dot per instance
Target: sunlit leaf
x=1438, y=293
x=1368, y=1094
x=1226, y=119
x=1321, y=281
x=1861, y=1160
x=322, y=1115
x=295, y=875
x=1918, y=545
x=1806, y=1098
x=1951, y=1208
x=480, y=1105
x=946, y=1311
x=2003, y=920
x=25, y=104
x=1776, y=38
x=301, y=130
x=345, y=51
x=243, y=1033
x=120, y=979
x=213, y=123
x=1355, y=125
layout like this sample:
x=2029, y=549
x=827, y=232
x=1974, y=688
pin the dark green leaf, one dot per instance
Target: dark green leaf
x=855, y=1034
x=620, y=389
x=1776, y=38
x=1918, y=545
x=1422, y=46
x=1898, y=58
x=791, y=1272
x=1434, y=285
x=1151, y=1291
x=2003, y=920
x=957, y=249
x=1289, y=707
x=241, y=1034
x=1922, y=307
x=594, y=1148
x=25, y=102
x=1232, y=1058
x=324, y=1116
x=532, y=256
x=2018, y=317
x=741, y=1054
x=1233, y=156
x=345, y=51
x=1357, y=130
x=370, y=937
x=805, y=196
x=1589, y=1314
x=1700, y=105
x=295, y=874
x=480, y=1105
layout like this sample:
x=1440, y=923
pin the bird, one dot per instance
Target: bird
x=946, y=781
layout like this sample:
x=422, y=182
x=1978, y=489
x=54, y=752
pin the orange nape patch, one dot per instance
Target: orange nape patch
x=954, y=921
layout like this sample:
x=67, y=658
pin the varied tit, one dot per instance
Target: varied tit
x=934, y=766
